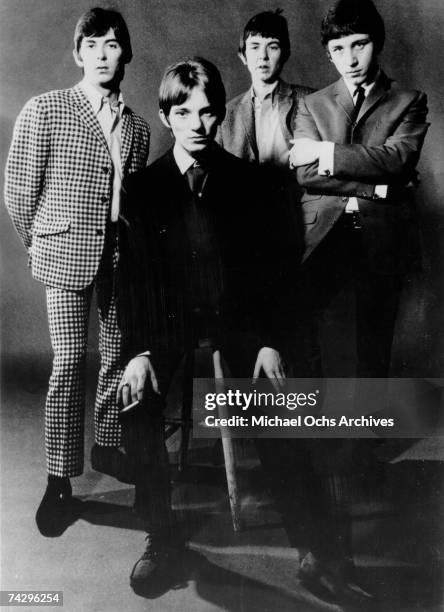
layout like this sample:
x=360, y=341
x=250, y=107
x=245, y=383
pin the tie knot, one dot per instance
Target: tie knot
x=359, y=95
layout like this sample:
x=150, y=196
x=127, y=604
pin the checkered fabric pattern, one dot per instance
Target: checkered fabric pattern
x=68, y=314
x=58, y=192
x=58, y=183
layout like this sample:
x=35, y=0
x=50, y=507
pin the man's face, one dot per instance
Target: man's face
x=354, y=58
x=263, y=58
x=101, y=58
x=193, y=123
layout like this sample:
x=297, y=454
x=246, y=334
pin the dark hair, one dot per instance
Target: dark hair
x=182, y=77
x=353, y=17
x=97, y=22
x=269, y=24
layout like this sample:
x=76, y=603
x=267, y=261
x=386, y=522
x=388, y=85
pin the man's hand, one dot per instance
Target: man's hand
x=133, y=380
x=270, y=361
x=304, y=151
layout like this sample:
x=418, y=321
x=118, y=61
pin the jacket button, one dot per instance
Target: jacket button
x=104, y=200
x=99, y=232
x=344, y=199
x=105, y=169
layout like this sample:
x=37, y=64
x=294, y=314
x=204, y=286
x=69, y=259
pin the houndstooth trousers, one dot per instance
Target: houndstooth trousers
x=68, y=316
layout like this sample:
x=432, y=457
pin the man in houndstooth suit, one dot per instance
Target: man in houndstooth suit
x=70, y=151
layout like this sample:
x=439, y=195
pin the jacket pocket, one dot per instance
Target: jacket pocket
x=51, y=228
x=309, y=216
x=310, y=197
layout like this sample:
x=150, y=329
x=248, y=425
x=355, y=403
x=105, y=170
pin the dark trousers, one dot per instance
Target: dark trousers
x=313, y=501
x=309, y=493
x=143, y=433
x=340, y=262
x=147, y=465
x=315, y=481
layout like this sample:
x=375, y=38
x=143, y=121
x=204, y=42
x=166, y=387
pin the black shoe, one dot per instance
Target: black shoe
x=153, y=562
x=112, y=461
x=335, y=583
x=57, y=511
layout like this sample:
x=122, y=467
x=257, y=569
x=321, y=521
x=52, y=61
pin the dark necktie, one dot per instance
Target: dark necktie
x=358, y=97
x=196, y=176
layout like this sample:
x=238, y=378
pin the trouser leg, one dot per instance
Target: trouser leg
x=144, y=440
x=106, y=413
x=377, y=300
x=64, y=412
x=312, y=505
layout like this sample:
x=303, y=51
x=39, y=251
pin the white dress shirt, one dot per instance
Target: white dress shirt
x=271, y=145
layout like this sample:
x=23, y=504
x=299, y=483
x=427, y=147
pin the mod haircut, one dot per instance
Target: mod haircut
x=353, y=17
x=268, y=24
x=182, y=77
x=97, y=22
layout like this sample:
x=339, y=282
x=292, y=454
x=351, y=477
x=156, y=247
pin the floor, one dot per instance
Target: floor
x=397, y=533
x=397, y=537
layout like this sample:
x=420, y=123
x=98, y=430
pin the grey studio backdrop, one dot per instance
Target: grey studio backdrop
x=35, y=56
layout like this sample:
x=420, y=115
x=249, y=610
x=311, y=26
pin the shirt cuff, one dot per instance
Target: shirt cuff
x=144, y=354
x=326, y=159
x=381, y=191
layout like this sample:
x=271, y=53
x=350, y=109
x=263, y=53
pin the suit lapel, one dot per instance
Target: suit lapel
x=127, y=137
x=377, y=93
x=86, y=114
x=176, y=186
x=247, y=119
x=344, y=100
x=285, y=106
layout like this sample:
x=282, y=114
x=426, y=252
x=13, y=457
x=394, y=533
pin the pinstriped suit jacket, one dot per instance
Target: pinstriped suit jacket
x=58, y=184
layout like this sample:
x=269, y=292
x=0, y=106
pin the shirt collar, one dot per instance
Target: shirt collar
x=272, y=93
x=367, y=88
x=183, y=159
x=96, y=98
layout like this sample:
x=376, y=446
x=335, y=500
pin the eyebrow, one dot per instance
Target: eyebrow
x=94, y=37
x=272, y=41
x=183, y=107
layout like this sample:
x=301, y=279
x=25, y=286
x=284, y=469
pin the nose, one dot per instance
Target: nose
x=195, y=122
x=351, y=58
x=101, y=52
x=263, y=52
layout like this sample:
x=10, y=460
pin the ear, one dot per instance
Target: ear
x=242, y=58
x=164, y=119
x=77, y=58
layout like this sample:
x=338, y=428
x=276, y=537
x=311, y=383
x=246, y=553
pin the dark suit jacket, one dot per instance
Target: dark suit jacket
x=381, y=147
x=156, y=257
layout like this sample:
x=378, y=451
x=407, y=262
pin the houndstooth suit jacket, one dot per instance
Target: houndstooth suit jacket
x=58, y=186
